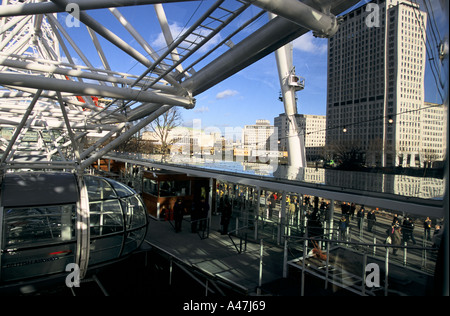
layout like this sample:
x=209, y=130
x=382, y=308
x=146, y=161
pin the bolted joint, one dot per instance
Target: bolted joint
x=322, y=24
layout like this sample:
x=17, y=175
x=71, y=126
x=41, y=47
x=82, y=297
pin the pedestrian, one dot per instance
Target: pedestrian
x=395, y=220
x=307, y=200
x=396, y=239
x=371, y=220
x=427, y=228
x=437, y=236
x=408, y=230
x=360, y=217
x=352, y=210
x=343, y=226
x=178, y=213
x=226, y=216
x=292, y=211
x=271, y=203
x=203, y=209
x=389, y=233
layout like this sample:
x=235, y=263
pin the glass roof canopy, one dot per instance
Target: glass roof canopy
x=419, y=195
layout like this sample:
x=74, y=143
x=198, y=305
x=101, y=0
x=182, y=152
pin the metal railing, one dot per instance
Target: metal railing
x=321, y=248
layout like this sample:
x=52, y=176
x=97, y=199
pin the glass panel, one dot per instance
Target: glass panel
x=99, y=189
x=135, y=215
x=121, y=189
x=150, y=187
x=174, y=188
x=44, y=224
x=106, y=217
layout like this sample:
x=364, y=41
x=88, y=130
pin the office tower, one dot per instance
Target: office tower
x=258, y=136
x=376, y=69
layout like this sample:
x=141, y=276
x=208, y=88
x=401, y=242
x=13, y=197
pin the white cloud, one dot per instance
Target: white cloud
x=226, y=94
x=310, y=44
x=203, y=109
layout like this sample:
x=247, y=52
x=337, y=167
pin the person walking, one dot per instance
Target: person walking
x=371, y=220
x=427, y=228
x=408, y=229
x=396, y=239
x=360, y=217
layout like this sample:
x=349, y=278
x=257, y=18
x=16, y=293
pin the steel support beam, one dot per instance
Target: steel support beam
x=266, y=40
x=273, y=35
x=107, y=34
x=133, y=130
x=17, y=64
x=20, y=126
x=322, y=24
x=49, y=7
x=86, y=89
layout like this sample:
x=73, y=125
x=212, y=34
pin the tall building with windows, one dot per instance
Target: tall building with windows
x=433, y=132
x=258, y=136
x=376, y=70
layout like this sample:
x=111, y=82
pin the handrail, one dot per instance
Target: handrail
x=239, y=250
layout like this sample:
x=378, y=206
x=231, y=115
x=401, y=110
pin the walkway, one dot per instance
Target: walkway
x=218, y=259
x=216, y=255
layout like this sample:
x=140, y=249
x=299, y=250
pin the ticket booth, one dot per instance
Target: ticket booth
x=162, y=188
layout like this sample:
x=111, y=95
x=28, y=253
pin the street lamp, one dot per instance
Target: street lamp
x=390, y=120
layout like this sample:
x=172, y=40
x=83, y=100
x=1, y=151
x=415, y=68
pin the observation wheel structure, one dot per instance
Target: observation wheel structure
x=72, y=68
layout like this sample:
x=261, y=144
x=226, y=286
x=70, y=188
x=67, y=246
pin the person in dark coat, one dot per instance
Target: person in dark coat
x=178, y=213
x=343, y=225
x=226, y=217
x=360, y=217
x=202, y=213
x=371, y=219
x=408, y=230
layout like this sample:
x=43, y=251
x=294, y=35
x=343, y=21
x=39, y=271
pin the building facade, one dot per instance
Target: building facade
x=313, y=126
x=258, y=136
x=433, y=133
x=375, y=93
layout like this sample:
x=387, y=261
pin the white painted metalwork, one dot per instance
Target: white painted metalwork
x=51, y=84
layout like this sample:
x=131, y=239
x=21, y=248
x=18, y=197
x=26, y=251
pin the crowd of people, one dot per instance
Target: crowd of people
x=313, y=214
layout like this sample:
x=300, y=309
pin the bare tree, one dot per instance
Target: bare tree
x=349, y=154
x=163, y=125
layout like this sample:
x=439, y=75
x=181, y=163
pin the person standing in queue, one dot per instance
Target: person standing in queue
x=178, y=212
x=202, y=213
x=226, y=217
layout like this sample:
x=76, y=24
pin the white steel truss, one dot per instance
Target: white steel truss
x=51, y=89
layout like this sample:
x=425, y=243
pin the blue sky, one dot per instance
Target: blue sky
x=250, y=94
x=253, y=93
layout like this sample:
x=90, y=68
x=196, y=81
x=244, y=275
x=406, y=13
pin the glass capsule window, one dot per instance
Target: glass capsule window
x=39, y=240
x=39, y=225
x=111, y=203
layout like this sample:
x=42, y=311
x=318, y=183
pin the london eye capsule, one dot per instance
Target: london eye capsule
x=42, y=228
